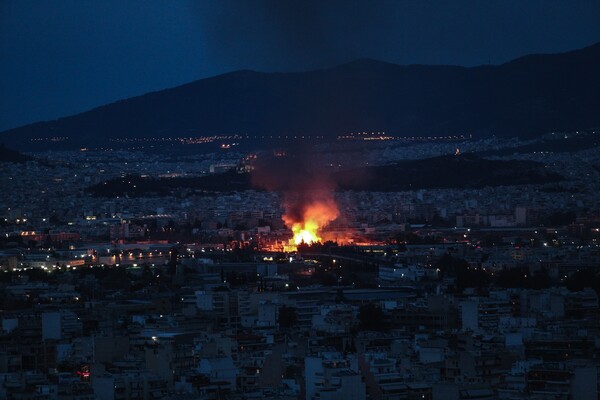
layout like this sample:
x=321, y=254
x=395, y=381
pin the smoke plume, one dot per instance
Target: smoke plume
x=306, y=188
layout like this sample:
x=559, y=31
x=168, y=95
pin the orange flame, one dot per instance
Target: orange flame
x=316, y=216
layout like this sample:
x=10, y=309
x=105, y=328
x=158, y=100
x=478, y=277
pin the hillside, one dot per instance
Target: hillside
x=10, y=156
x=526, y=97
x=465, y=171
x=459, y=172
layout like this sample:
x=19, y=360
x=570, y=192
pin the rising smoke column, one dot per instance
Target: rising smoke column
x=307, y=193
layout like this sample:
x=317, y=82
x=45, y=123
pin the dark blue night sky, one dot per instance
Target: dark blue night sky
x=62, y=57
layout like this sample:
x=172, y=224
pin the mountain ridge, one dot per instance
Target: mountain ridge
x=527, y=96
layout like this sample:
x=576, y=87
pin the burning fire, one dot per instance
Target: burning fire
x=315, y=216
x=305, y=233
x=307, y=192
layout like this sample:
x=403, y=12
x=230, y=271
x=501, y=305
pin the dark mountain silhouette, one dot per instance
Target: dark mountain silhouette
x=525, y=97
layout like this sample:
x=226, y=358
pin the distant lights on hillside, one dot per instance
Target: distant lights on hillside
x=50, y=139
x=383, y=136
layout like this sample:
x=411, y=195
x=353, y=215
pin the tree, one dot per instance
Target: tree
x=372, y=318
x=459, y=269
x=292, y=371
x=586, y=278
x=339, y=297
x=173, y=256
x=560, y=218
x=287, y=317
x=324, y=278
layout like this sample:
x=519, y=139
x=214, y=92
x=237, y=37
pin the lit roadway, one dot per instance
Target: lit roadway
x=354, y=258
